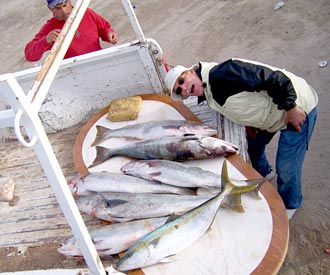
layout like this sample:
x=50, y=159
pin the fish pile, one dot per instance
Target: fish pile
x=156, y=207
x=169, y=139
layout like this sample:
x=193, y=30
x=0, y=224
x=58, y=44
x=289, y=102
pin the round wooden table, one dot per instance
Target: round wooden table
x=275, y=254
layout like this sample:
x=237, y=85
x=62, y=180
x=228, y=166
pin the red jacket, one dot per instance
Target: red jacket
x=91, y=28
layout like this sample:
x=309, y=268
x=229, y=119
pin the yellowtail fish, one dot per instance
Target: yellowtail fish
x=179, y=233
x=113, y=238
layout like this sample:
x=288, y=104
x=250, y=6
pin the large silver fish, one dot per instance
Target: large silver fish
x=112, y=182
x=182, y=175
x=169, y=148
x=172, y=173
x=178, y=234
x=155, y=129
x=113, y=238
x=122, y=207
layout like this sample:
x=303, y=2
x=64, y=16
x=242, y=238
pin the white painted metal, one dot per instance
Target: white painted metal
x=32, y=124
x=114, y=72
x=135, y=23
x=7, y=118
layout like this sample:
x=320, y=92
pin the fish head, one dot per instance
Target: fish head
x=135, y=257
x=218, y=146
x=132, y=166
x=147, y=168
x=75, y=185
x=91, y=204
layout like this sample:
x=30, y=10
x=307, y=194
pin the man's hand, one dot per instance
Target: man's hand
x=52, y=36
x=113, y=37
x=296, y=117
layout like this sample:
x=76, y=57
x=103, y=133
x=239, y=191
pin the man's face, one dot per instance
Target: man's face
x=188, y=84
x=62, y=11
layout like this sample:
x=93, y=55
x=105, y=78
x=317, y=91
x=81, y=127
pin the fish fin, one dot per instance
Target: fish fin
x=226, y=182
x=191, y=138
x=234, y=202
x=100, y=132
x=171, y=218
x=115, y=202
x=254, y=194
x=107, y=255
x=169, y=259
x=155, y=174
x=108, y=258
x=152, y=162
x=155, y=241
x=101, y=156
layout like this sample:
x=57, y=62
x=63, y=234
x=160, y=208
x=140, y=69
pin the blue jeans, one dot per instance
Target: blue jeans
x=292, y=147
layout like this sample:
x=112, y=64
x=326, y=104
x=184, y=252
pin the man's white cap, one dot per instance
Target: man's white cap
x=170, y=78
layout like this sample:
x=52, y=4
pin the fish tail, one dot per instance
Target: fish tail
x=225, y=180
x=234, y=200
x=100, y=133
x=255, y=192
x=255, y=183
x=102, y=154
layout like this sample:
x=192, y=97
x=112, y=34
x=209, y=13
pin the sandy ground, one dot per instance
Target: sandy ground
x=295, y=37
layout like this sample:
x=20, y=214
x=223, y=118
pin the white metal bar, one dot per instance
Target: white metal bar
x=150, y=68
x=44, y=79
x=7, y=118
x=132, y=17
x=47, y=158
x=63, y=195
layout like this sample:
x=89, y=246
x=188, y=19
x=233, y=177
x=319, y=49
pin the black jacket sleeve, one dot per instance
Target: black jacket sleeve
x=235, y=76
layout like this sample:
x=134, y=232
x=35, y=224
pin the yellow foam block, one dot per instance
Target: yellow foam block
x=124, y=109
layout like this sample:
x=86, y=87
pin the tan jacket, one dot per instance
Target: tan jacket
x=257, y=109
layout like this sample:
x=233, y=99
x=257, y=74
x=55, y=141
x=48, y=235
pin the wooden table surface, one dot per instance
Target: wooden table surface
x=276, y=252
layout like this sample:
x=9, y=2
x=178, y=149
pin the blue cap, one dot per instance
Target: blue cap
x=53, y=3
